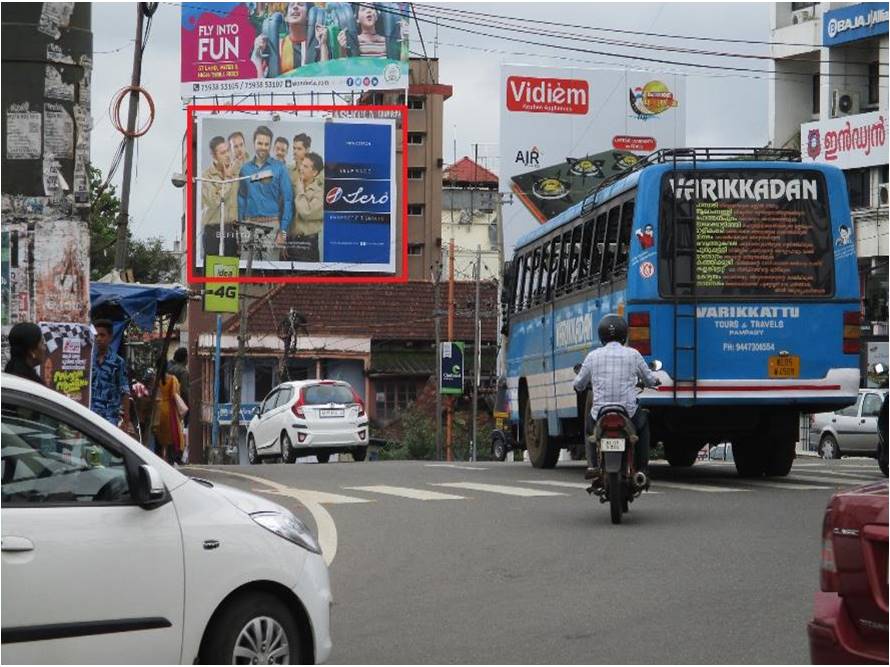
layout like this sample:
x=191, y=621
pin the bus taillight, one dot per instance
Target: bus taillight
x=851, y=332
x=638, y=332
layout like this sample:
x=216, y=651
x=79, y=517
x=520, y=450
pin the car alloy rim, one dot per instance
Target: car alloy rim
x=262, y=641
x=828, y=450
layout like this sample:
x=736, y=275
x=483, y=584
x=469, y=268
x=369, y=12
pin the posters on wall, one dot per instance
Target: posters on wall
x=560, y=129
x=68, y=362
x=241, y=48
x=61, y=271
x=307, y=194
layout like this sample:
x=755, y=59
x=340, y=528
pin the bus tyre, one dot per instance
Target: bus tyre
x=781, y=458
x=680, y=457
x=749, y=460
x=541, y=452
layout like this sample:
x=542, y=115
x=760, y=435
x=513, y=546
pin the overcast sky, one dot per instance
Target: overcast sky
x=721, y=109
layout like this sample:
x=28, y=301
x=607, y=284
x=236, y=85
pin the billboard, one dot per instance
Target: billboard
x=563, y=130
x=848, y=142
x=295, y=48
x=300, y=194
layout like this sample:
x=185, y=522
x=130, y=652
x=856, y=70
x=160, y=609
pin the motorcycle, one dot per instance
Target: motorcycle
x=614, y=438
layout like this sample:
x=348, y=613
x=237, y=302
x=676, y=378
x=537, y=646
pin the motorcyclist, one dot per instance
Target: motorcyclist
x=612, y=371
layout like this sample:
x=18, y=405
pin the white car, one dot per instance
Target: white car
x=109, y=555
x=308, y=417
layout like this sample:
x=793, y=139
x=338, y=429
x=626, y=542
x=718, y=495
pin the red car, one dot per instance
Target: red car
x=849, y=623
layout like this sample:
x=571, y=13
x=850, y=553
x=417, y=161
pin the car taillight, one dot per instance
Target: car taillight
x=638, y=332
x=828, y=575
x=358, y=401
x=297, y=408
x=851, y=332
x=611, y=422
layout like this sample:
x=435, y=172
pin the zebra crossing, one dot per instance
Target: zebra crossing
x=808, y=479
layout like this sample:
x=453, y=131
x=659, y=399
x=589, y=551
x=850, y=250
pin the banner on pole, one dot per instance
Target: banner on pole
x=452, y=365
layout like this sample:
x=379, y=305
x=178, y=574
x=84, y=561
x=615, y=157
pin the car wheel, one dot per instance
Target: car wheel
x=288, y=453
x=828, y=448
x=498, y=447
x=324, y=457
x=252, y=457
x=359, y=453
x=253, y=628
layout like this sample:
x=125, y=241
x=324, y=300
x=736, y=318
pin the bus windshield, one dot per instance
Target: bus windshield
x=764, y=233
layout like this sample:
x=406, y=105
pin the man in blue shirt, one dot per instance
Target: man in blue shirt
x=268, y=202
x=110, y=389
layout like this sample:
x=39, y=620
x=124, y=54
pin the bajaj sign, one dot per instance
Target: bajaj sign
x=526, y=93
x=849, y=24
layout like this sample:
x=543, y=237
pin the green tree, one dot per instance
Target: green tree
x=148, y=259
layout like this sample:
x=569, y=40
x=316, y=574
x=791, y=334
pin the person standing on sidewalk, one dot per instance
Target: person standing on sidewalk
x=27, y=350
x=110, y=390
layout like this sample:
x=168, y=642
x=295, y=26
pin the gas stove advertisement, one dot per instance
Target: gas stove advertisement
x=292, y=48
x=564, y=131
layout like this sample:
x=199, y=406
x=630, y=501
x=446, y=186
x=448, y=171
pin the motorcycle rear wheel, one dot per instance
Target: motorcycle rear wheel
x=615, y=495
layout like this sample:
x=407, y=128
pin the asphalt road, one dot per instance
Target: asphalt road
x=438, y=564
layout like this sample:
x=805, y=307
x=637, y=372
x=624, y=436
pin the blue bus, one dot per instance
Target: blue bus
x=735, y=268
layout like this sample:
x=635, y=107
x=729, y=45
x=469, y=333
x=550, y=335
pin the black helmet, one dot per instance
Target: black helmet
x=612, y=328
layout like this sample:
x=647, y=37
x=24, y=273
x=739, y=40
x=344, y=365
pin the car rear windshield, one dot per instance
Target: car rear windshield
x=746, y=232
x=321, y=394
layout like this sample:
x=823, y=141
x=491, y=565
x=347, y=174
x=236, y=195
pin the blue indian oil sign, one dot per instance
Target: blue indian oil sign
x=849, y=24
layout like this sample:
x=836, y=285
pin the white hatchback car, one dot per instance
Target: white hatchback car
x=112, y=556
x=308, y=417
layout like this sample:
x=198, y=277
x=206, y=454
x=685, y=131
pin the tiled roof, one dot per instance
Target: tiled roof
x=467, y=171
x=380, y=312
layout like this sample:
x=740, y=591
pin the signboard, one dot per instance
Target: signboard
x=221, y=297
x=68, y=363
x=242, y=48
x=319, y=195
x=562, y=130
x=758, y=233
x=852, y=23
x=452, y=365
x=848, y=142
x=224, y=413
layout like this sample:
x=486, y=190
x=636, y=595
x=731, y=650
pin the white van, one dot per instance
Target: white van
x=112, y=556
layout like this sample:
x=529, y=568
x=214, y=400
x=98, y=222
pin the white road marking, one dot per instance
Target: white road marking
x=312, y=501
x=828, y=479
x=786, y=486
x=404, y=492
x=451, y=465
x=568, y=485
x=703, y=488
x=857, y=475
x=498, y=488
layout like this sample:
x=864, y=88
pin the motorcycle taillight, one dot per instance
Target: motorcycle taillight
x=611, y=421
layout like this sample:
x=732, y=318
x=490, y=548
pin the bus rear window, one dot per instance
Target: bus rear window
x=763, y=233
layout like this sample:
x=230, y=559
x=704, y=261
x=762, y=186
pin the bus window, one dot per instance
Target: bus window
x=552, y=268
x=528, y=281
x=563, y=261
x=586, y=240
x=611, y=246
x=627, y=217
x=537, y=265
x=574, y=257
x=596, y=257
x=518, y=284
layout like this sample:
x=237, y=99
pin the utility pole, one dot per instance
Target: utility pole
x=437, y=278
x=477, y=354
x=120, y=253
x=235, y=426
x=449, y=415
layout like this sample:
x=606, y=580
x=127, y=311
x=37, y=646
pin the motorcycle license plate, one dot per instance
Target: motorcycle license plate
x=612, y=445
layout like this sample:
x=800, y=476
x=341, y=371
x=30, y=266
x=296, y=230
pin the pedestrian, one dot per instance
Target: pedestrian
x=141, y=395
x=180, y=369
x=27, y=350
x=169, y=410
x=110, y=388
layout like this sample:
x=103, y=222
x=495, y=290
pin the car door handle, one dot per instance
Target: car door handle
x=16, y=544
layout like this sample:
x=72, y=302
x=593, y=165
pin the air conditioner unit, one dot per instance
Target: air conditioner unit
x=844, y=103
x=802, y=15
x=883, y=195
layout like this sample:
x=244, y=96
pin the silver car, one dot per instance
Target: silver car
x=850, y=431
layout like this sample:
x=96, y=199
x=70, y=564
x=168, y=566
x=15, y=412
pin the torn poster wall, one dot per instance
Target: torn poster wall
x=61, y=270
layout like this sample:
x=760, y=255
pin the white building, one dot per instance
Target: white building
x=829, y=98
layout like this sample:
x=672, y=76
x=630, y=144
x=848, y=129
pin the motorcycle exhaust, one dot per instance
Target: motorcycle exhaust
x=640, y=480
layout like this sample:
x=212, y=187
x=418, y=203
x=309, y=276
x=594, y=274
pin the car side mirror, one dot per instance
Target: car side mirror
x=152, y=492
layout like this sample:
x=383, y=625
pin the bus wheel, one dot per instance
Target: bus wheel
x=781, y=457
x=749, y=459
x=541, y=452
x=680, y=457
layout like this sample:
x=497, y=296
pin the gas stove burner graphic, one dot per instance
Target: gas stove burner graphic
x=586, y=167
x=624, y=162
x=550, y=188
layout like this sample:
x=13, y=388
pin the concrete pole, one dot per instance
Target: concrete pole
x=477, y=355
x=449, y=415
x=437, y=278
x=235, y=426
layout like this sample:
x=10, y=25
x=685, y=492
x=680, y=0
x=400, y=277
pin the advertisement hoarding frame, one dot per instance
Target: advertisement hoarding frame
x=191, y=212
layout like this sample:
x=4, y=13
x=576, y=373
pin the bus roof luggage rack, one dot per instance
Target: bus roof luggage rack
x=694, y=155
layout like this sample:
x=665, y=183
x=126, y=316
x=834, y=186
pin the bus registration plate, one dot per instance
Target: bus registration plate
x=612, y=445
x=784, y=366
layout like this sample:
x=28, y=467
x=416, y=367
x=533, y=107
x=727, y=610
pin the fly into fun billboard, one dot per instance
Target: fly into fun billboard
x=563, y=131
x=292, y=48
x=296, y=195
